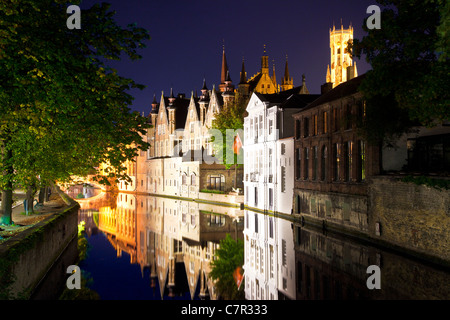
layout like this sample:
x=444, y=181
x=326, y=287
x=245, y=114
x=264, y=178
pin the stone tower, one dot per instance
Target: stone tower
x=342, y=67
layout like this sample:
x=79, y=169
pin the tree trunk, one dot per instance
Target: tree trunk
x=7, y=193
x=6, y=208
x=30, y=199
x=42, y=195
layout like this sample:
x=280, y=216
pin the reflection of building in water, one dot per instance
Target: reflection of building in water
x=328, y=267
x=269, y=262
x=268, y=189
x=174, y=239
x=119, y=225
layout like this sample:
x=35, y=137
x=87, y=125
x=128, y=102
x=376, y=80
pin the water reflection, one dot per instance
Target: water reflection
x=171, y=240
x=285, y=260
x=150, y=247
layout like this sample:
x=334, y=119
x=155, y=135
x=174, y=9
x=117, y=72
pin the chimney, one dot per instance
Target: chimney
x=351, y=72
x=326, y=87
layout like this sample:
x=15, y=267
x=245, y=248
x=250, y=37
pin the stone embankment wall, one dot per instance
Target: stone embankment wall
x=27, y=258
x=415, y=217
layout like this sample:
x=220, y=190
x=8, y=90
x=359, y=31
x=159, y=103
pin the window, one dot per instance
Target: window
x=315, y=125
x=306, y=127
x=298, y=161
x=336, y=161
x=283, y=252
x=270, y=126
x=215, y=182
x=270, y=164
x=183, y=179
x=283, y=179
x=323, y=172
x=306, y=162
x=283, y=149
x=362, y=161
x=270, y=198
x=325, y=122
x=297, y=129
x=256, y=222
x=315, y=163
x=193, y=179
x=348, y=117
x=336, y=119
x=348, y=146
x=256, y=196
x=271, y=227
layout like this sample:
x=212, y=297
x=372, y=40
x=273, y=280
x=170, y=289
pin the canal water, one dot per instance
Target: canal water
x=157, y=248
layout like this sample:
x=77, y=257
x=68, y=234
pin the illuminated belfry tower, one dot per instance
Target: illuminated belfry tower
x=342, y=67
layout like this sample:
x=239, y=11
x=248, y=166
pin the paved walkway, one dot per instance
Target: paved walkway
x=22, y=221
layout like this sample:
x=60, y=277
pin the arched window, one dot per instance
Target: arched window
x=183, y=179
x=193, y=179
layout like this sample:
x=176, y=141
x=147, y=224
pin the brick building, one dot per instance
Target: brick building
x=332, y=162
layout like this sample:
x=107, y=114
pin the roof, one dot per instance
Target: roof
x=181, y=105
x=289, y=98
x=343, y=90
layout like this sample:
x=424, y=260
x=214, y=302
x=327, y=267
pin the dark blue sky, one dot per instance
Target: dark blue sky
x=187, y=38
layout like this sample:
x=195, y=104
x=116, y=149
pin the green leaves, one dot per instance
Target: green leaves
x=410, y=67
x=229, y=257
x=64, y=111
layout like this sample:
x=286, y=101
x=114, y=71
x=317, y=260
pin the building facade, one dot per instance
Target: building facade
x=268, y=186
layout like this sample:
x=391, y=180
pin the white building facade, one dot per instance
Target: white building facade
x=268, y=192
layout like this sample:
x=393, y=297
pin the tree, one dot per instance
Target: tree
x=64, y=111
x=407, y=85
x=230, y=117
x=229, y=258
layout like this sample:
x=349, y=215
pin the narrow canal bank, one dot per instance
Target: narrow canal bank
x=32, y=261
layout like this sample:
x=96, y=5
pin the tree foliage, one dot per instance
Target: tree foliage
x=64, y=111
x=230, y=117
x=408, y=83
x=229, y=257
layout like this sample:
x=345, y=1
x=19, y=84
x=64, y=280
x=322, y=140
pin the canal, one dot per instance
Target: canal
x=157, y=248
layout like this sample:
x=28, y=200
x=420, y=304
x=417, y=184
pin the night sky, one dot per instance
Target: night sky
x=187, y=38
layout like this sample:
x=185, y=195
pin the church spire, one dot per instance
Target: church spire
x=243, y=78
x=286, y=82
x=224, y=70
x=286, y=69
x=274, y=77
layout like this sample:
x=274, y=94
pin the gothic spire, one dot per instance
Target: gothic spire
x=224, y=69
x=243, y=78
x=286, y=70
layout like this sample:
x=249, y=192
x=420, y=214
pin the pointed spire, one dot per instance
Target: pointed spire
x=286, y=70
x=274, y=77
x=171, y=97
x=224, y=69
x=154, y=104
x=243, y=78
x=328, y=79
